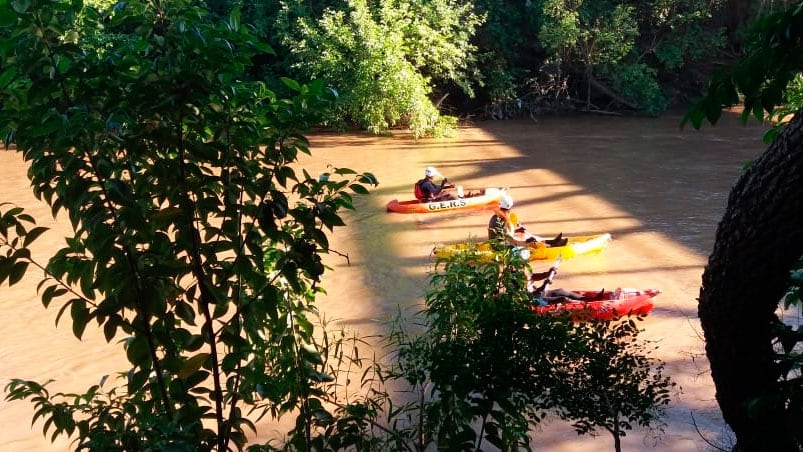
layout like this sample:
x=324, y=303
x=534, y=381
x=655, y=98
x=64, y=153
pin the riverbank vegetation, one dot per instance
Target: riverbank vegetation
x=422, y=65
x=409, y=63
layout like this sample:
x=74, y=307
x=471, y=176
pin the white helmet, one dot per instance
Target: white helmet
x=506, y=202
x=430, y=171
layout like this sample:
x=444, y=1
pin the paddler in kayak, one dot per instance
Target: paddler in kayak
x=541, y=294
x=426, y=190
x=504, y=225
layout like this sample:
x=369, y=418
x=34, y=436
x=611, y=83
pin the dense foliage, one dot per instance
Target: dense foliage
x=195, y=239
x=409, y=62
x=626, y=54
x=384, y=58
x=480, y=368
x=487, y=368
x=788, y=339
x=771, y=63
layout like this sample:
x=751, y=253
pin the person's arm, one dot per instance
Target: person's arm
x=515, y=241
x=537, y=276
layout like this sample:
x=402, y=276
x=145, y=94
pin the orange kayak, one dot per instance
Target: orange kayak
x=475, y=199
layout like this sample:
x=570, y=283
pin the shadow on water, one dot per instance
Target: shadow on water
x=635, y=175
x=672, y=181
x=659, y=190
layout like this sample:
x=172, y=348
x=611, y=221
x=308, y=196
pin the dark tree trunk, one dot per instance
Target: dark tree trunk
x=758, y=240
x=608, y=92
x=739, y=13
x=734, y=16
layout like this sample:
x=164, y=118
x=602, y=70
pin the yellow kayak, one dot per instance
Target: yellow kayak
x=577, y=245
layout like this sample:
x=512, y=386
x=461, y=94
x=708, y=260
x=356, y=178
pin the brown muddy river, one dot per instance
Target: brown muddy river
x=659, y=191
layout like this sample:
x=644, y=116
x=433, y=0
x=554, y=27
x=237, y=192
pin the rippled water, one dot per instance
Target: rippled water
x=659, y=190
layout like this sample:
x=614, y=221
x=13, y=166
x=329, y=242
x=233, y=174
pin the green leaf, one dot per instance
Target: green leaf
x=137, y=379
x=87, y=280
x=17, y=272
x=713, y=111
x=185, y=312
x=80, y=317
x=6, y=264
x=33, y=234
x=292, y=84
x=8, y=74
x=7, y=17
x=194, y=343
x=137, y=351
x=52, y=292
x=192, y=365
x=21, y=6
x=50, y=126
x=695, y=116
x=234, y=19
x=359, y=189
x=311, y=354
x=110, y=329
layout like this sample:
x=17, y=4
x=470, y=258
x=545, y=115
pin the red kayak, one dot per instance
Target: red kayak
x=607, y=305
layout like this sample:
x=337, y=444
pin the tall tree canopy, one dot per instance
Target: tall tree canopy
x=405, y=62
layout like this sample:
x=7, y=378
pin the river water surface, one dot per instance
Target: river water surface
x=659, y=190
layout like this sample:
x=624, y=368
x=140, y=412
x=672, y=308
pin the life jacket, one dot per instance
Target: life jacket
x=510, y=218
x=498, y=226
x=508, y=222
x=419, y=194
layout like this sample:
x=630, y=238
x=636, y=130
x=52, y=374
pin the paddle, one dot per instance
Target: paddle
x=535, y=240
x=554, y=269
x=446, y=185
x=529, y=237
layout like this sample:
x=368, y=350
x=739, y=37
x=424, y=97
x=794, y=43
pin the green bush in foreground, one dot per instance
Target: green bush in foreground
x=177, y=174
x=479, y=366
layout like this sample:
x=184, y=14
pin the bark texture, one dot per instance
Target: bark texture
x=758, y=240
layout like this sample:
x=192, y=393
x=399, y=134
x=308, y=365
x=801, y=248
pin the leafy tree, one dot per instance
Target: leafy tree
x=623, y=50
x=493, y=368
x=481, y=367
x=384, y=57
x=676, y=32
x=613, y=383
x=458, y=54
x=507, y=51
x=752, y=354
x=578, y=32
x=491, y=356
x=195, y=239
